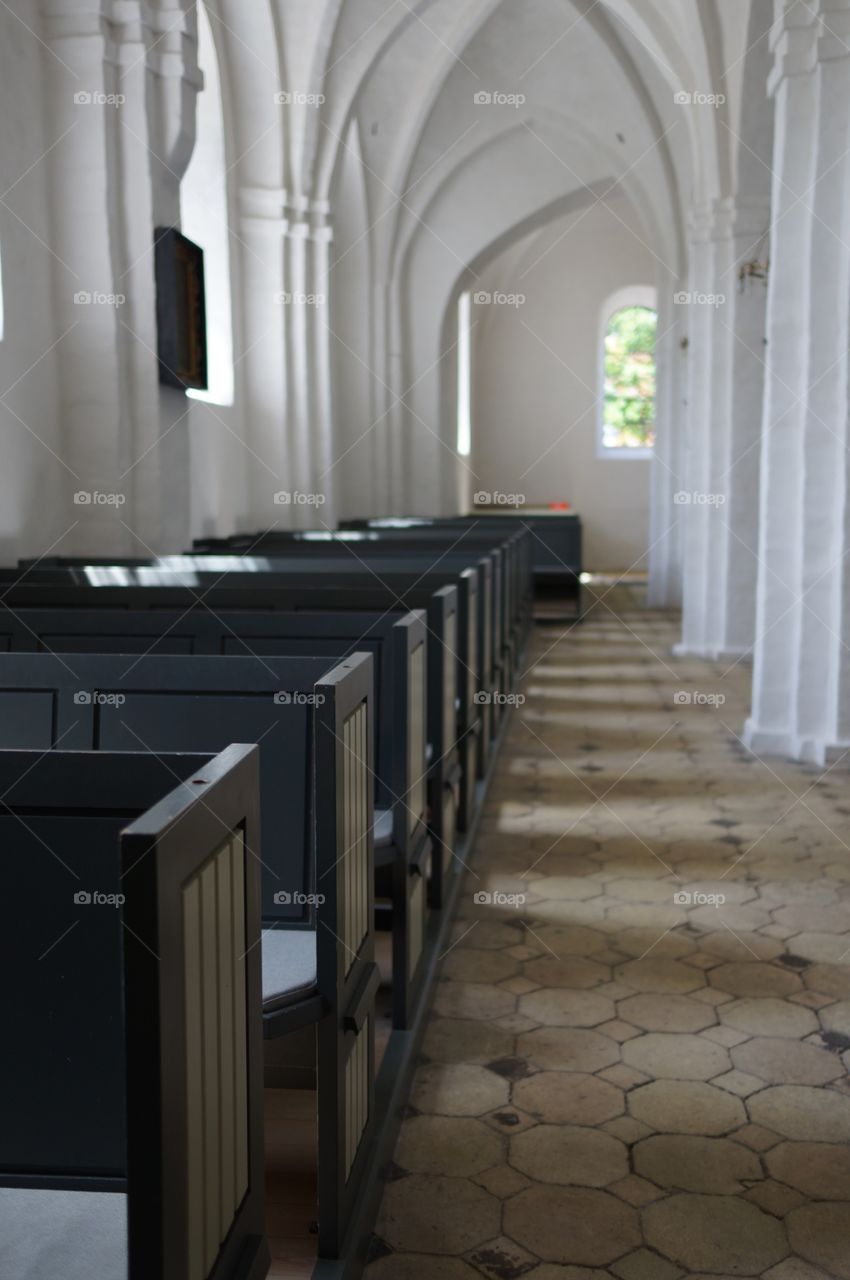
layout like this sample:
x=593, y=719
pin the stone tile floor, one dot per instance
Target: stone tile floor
x=639, y=1072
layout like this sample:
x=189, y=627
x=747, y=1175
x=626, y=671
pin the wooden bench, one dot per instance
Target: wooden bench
x=131, y=1146
x=315, y=736
x=299, y=570
x=549, y=541
x=392, y=639
x=516, y=540
x=443, y=549
x=458, y=647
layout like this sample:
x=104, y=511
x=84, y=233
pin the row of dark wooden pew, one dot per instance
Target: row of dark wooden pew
x=225, y=775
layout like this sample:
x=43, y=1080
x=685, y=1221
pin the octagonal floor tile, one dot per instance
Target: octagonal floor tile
x=821, y=1234
x=666, y=1013
x=679, y=1106
x=409, y=1266
x=572, y=1225
x=465, y=1041
x=458, y=1089
x=565, y=1097
x=477, y=1000
x=820, y=1170
x=568, y=1049
x=676, y=1057
x=570, y=1156
x=715, y=1233
x=780, y=1061
x=755, y=980
x=573, y=972
x=471, y=964
x=769, y=1017
x=450, y=1145
x=660, y=976
x=681, y=1162
x=557, y=1007
x=803, y=1113
x=829, y=979
x=422, y=1214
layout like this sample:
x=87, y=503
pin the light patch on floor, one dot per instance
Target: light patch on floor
x=636, y=1063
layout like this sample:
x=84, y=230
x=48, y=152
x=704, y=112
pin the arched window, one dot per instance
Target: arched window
x=464, y=375
x=203, y=217
x=627, y=421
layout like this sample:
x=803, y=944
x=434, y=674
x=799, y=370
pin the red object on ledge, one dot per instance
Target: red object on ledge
x=559, y=506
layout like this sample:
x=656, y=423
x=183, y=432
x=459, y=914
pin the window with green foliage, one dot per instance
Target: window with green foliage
x=628, y=417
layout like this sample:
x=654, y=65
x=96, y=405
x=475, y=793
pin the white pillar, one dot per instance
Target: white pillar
x=665, y=551
x=822, y=657
x=739, y=478
x=720, y=494
x=83, y=112
x=781, y=521
x=297, y=355
x=324, y=474
x=262, y=232
x=697, y=499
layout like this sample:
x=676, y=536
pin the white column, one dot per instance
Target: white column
x=262, y=232
x=324, y=474
x=720, y=496
x=781, y=520
x=697, y=499
x=133, y=253
x=297, y=355
x=822, y=657
x=739, y=477
x=665, y=567
x=83, y=112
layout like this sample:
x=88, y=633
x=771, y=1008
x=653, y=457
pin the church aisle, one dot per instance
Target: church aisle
x=639, y=1071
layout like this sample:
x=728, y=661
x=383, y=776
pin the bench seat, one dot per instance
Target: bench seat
x=290, y=972
x=383, y=828
x=73, y=1234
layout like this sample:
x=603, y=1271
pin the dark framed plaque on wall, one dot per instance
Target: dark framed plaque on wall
x=181, y=318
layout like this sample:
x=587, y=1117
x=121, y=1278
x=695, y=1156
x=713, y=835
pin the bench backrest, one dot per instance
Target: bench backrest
x=133, y=1000
x=161, y=704
x=390, y=638
x=441, y=544
x=122, y=587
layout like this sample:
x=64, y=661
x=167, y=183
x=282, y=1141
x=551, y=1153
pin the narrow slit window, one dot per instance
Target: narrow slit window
x=464, y=375
x=204, y=218
x=629, y=381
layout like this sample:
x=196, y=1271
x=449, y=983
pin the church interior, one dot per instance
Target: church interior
x=425, y=639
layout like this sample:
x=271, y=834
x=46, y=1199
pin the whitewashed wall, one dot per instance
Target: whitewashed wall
x=537, y=368
x=32, y=474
